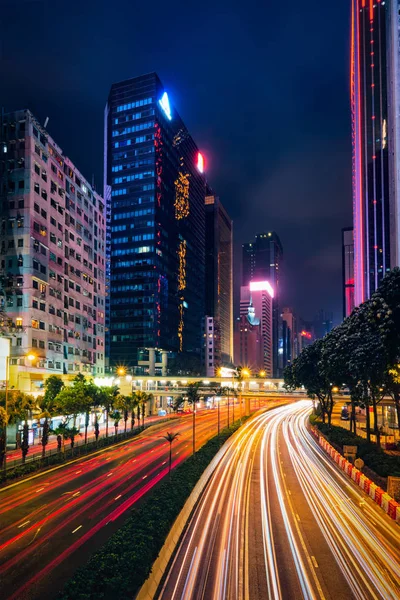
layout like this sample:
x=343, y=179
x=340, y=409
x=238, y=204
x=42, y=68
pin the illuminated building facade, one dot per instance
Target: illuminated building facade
x=375, y=97
x=52, y=263
x=155, y=175
x=219, y=276
x=262, y=260
x=348, y=270
x=256, y=305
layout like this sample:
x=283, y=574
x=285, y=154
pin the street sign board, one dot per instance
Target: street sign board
x=349, y=450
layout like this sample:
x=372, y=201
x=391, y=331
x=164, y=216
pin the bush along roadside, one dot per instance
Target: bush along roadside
x=124, y=562
x=374, y=458
x=69, y=454
x=376, y=493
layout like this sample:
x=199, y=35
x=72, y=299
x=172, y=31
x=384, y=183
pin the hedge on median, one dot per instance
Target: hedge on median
x=375, y=458
x=124, y=563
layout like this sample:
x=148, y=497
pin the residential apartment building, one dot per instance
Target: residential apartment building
x=52, y=258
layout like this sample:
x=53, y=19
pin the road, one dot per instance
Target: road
x=279, y=520
x=51, y=523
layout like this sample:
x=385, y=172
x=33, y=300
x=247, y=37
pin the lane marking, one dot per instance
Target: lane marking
x=75, y=530
x=117, y=497
x=40, y=489
x=23, y=524
x=314, y=562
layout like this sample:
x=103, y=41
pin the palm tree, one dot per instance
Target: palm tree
x=170, y=437
x=106, y=398
x=142, y=398
x=123, y=403
x=66, y=433
x=48, y=407
x=193, y=397
x=20, y=408
x=133, y=404
x=116, y=417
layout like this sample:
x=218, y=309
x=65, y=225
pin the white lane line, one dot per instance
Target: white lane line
x=75, y=530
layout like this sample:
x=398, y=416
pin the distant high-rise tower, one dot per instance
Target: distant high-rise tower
x=219, y=274
x=375, y=99
x=155, y=189
x=348, y=270
x=262, y=260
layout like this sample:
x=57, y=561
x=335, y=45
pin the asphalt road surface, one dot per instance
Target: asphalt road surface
x=279, y=520
x=52, y=522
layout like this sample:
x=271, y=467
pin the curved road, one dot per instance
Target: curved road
x=279, y=520
x=51, y=523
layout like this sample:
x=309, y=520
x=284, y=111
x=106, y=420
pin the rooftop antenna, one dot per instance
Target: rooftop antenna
x=46, y=121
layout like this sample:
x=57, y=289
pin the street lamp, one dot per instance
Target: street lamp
x=121, y=371
x=31, y=356
x=262, y=374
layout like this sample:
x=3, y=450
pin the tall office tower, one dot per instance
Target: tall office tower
x=155, y=175
x=52, y=264
x=347, y=270
x=262, y=260
x=248, y=337
x=256, y=299
x=219, y=274
x=375, y=99
x=290, y=319
x=322, y=324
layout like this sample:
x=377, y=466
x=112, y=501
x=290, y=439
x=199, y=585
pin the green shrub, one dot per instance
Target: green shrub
x=375, y=458
x=123, y=564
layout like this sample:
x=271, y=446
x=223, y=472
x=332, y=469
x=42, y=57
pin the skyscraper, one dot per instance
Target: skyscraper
x=219, y=273
x=155, y=187
x=375, y=99
x=262, y=260
x=348, y=270
x=256, y=306
x=52, y=267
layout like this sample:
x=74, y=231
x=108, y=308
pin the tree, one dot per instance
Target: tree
x=52, y=386
x=3, y=433
x=106, y=397
x=170, y=438
x=133, y=404
x=64, y=432
x=116, y=417
x=193, y=398
x=72, y=401
x=20, y=407
x=142, y=398
x=306, y=371
x=123, y=403
x=386, y=301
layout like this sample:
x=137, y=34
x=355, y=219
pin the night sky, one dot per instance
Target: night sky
x=263, y=87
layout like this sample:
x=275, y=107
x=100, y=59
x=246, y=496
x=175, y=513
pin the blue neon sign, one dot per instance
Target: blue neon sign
x=164, y=103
